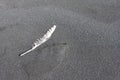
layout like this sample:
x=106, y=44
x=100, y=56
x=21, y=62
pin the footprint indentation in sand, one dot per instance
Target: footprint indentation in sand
x=49, y=58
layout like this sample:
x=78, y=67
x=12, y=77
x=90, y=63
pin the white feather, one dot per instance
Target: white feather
x=42, y=40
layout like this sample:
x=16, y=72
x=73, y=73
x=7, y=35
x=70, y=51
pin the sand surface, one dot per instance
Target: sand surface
x=84, y=46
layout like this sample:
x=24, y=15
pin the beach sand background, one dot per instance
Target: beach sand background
x=84, y=46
